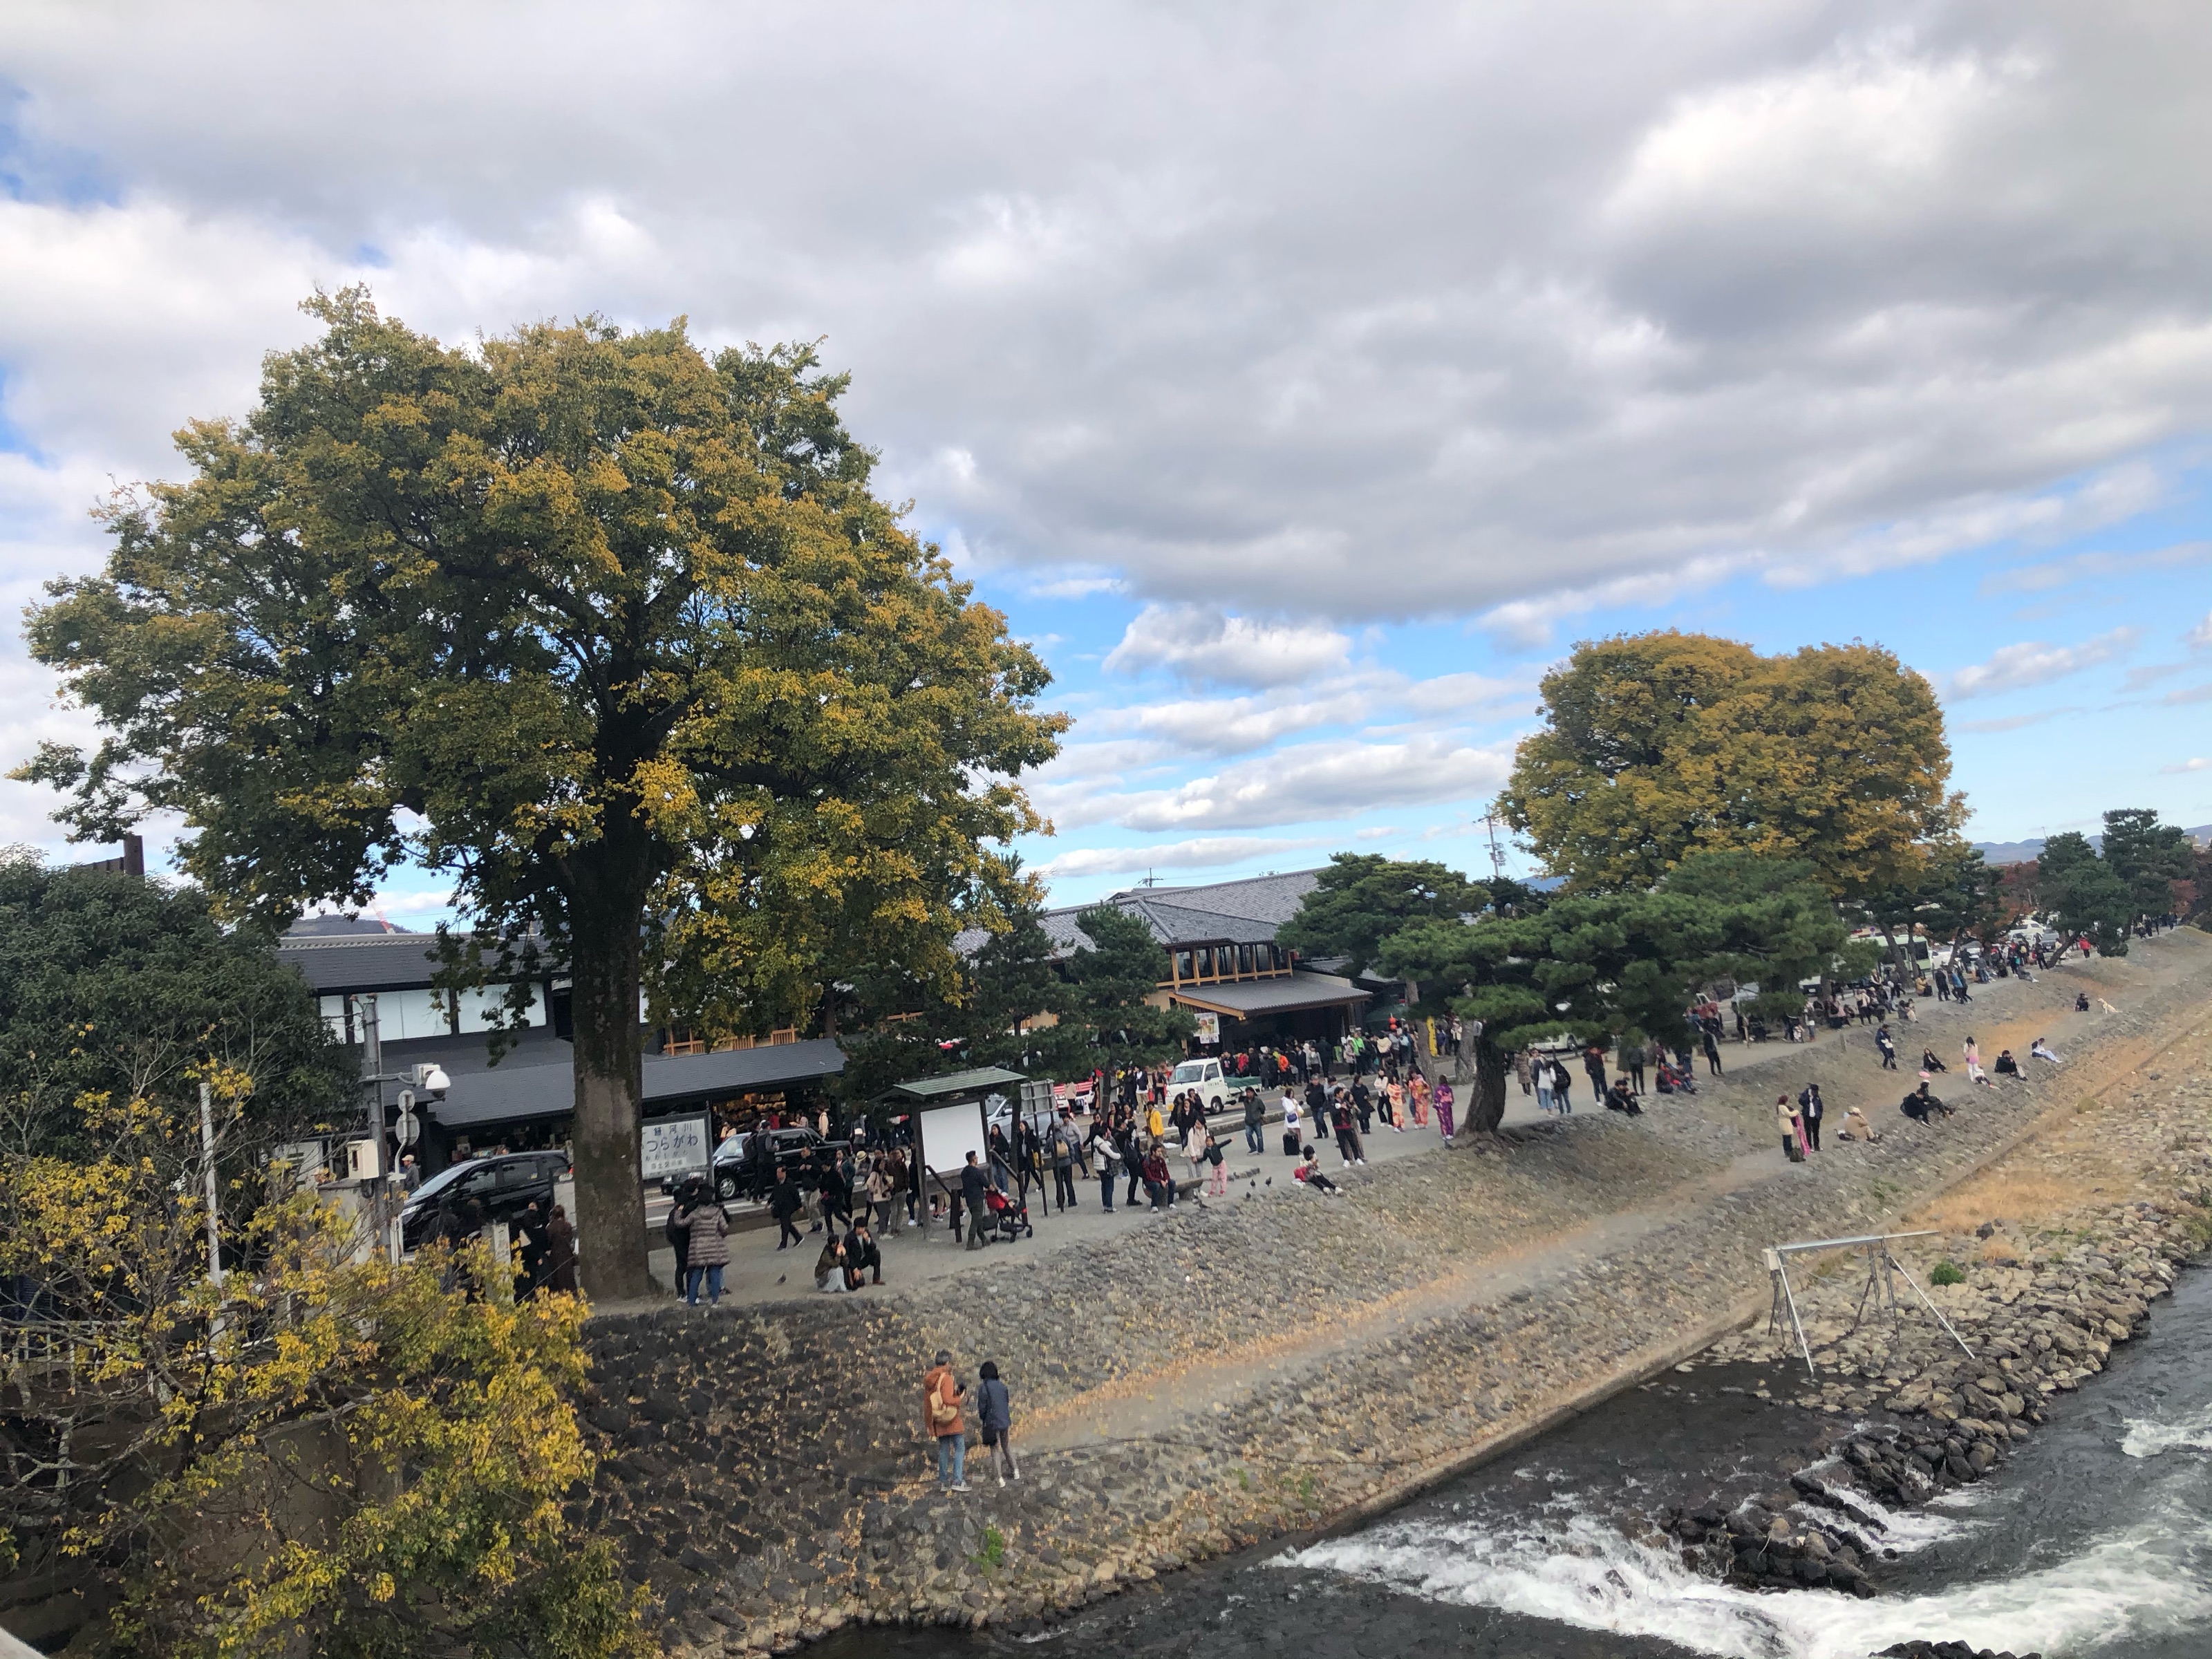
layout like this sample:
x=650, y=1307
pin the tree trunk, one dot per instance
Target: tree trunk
x=1485, y=1101
x=604, y=962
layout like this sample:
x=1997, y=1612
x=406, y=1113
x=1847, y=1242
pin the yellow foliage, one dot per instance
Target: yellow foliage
x=1659, y=745
x=330, y=1449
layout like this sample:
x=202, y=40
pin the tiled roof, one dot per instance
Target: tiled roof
x=1247, y=912
x=1273, y=899
x=367, y=961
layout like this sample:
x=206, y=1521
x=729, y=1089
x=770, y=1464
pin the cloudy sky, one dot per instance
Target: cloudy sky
x=1303, y=380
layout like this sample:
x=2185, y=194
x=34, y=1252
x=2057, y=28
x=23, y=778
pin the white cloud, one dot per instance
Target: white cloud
x=2011, y=667
x=2199, y=638
x=2199, y=764
x=1313, y=781
x=2098, y=566
x=1196, y=854
x=1803, y=289
x=2013, y=722
x=1201, y=646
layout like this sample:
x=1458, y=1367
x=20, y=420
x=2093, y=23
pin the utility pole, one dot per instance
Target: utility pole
x=207, y=1157
x=373, y=1045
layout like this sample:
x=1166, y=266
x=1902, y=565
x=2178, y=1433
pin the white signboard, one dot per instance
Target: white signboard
x=949, y=1134
x=1209, y=1027
x=674, y=1146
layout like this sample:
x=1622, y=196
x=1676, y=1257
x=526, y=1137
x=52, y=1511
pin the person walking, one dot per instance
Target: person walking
x=1521, y=1072
x=1563, y=1088
x=783, y=1201
x=974, y=1192
x=1631, y=1057
x=1256, y=1119
x=1218, y=1161
x=707, y=1228
x=1887, y=1044
x=1712, y=1051
x=1063, y=1167
x=995, y=1416
x=1446, y=1108
x=1543, y=1084
x=1811, y=1109
x=941, y=1421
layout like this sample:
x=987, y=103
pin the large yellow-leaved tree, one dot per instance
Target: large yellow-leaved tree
x=615, y=633
x=1656, y=746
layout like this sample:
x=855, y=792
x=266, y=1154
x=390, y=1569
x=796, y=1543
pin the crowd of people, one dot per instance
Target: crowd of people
x=1144, y=1139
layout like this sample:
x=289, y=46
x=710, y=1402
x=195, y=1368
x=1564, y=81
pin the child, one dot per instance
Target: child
x=994, y=1412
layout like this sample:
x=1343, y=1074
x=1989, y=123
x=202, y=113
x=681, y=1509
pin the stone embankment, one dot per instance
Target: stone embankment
x=1280, y=1361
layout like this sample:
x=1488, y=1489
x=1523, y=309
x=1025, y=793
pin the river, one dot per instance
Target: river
x=2095, y=1540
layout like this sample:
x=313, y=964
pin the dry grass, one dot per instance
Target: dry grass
x=2021, y=1196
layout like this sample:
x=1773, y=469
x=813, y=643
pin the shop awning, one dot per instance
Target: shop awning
x=1250, y=998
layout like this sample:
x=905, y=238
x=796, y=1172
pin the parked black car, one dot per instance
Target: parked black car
x=503, y=1185
x=737, y=1173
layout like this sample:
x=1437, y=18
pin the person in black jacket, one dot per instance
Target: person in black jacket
x=974, y=1187
x=1810, y=1110
x=861, y=1256
x=783, y=1201
x=1921, y=1105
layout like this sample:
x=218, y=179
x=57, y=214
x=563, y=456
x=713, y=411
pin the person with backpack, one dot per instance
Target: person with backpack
x=1063, y=1166
x=941, y=1422
x=994, y=1415
x=1256, y=1119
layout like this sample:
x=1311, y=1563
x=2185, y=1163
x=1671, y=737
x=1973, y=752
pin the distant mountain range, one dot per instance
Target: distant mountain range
x=2024, y=852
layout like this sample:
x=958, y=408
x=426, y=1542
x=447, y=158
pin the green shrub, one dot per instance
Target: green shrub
x=1947, y=1272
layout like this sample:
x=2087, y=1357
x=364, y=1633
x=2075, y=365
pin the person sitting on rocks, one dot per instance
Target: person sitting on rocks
x=1921, y=1106
x=1929, y=1063
x=1621, y=1098
x=1308, y=1172
x=2006, y=1066
x=1856, y=1127
x=2042, y=1051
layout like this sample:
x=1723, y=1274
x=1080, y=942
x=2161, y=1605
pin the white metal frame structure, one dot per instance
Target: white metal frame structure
x=1883, y=1271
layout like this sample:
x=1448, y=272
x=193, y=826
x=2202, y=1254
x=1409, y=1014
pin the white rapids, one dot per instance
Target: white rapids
x=2143, y=1581
x=2148, y=1437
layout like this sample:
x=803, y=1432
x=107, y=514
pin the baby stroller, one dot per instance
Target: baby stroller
x=1010, y=1218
